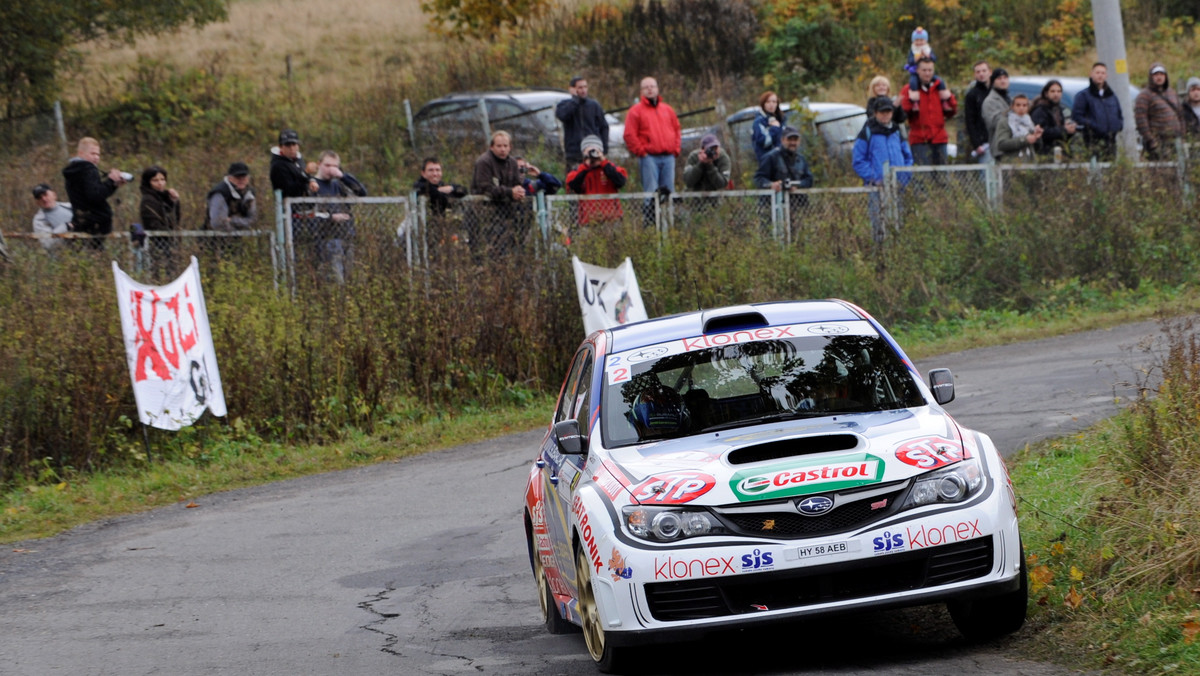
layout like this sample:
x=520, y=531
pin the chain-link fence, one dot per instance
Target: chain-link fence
x=329, y=238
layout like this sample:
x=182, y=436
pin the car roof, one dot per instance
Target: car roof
x=526, y=96
x=722, y=320
x=1071, y=85
x=823, y=110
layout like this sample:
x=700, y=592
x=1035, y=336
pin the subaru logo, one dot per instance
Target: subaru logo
x=814, y=506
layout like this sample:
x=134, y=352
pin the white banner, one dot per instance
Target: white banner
x=169, y=347
x=608, y=297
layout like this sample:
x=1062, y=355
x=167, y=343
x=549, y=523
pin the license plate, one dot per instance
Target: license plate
x=826, y=549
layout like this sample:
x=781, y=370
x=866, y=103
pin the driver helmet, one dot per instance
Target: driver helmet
x=658, y=411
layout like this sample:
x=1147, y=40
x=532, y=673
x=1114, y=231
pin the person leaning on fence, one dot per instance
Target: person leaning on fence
x=927, y=116
x=596, y=175
x=534, y=180
x=1049, y=113
x=785, y=170
x=287, y=168
x=977, y=132
x=88, y=192
x=52, y=217
x=766, y=134
x=333, y=222
x=881, y=86
x=1191, y=110
x=231, y=204
x=708, y=168
x=159, y=210
x=430, y=187
x=1016, y=136
x=653, y=135
x=1098, y=111
x=1158, y=115
x=880, y=143
x=503, y=225
x=997, y=103
x=580, y=117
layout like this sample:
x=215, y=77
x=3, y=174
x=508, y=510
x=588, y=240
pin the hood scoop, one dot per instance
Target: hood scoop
x=789, y=448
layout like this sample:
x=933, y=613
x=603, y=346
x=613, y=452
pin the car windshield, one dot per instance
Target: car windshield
x=715, y=382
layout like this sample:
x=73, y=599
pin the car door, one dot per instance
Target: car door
x=561, y=472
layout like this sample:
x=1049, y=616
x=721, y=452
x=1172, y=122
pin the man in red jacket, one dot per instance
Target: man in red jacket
x=653, y=135
x=927, y=117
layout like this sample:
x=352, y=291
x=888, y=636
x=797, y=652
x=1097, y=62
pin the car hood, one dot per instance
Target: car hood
x=778, y=460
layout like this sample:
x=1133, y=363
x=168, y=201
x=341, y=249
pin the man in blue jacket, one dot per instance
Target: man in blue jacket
x=880, y=142
x=1098, y=111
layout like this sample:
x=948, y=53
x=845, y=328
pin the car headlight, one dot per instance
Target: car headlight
x=668, y=524
x=952, y=484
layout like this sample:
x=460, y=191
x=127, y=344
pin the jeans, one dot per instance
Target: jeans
x=926, y=154
x=658, y=172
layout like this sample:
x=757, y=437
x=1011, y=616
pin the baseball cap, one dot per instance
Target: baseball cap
x=238, y=169
x=708, y=141
x=591, y=141
x=1158, y=69
x=288, y=136
x=789, y=132
x=884, y=103
x=41, y=189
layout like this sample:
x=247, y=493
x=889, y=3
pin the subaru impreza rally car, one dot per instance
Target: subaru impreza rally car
x=758, y=463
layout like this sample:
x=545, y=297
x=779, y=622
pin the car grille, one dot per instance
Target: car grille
x=735, y=595
x=788, y=524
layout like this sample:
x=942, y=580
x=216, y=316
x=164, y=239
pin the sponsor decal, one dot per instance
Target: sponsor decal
x=672, y=568
x=814, y=506
x=544, y=544
x=585, y=531
x=674, y=488
x=888, y=542
x=932, y=536
x=538, y=515
x=757, y=560
x=736, y=337
x=616, y=566
x=768, y=524
x=608, y=484
x=646, y=354
x=803, y=478
x=879, y=504
x=828, y=329
x=931, y=452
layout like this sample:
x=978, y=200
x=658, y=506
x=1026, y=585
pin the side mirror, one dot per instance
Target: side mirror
x=941, y=383
x=567, y=437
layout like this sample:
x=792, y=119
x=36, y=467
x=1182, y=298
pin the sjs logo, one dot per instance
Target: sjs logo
x=888, y=542
x=757, y=560
x=674, y=488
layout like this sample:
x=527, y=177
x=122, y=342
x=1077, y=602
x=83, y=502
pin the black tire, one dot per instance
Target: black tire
x=609, y=659
x=993, y=617
x=551, y=618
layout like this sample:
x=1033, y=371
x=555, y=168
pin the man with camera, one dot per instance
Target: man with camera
x=580, y=117
x=88, y=192
x=596, y=175
x=784, y=170
x=534, y=180
x=707, y=167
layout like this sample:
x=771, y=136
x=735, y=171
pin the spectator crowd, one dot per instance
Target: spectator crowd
x=903, y=128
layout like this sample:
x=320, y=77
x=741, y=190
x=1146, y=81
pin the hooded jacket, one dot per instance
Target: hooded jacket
x=877, y=144
x=1157, y=112
x=652, y=128
x=287, y=175
x=88, y=194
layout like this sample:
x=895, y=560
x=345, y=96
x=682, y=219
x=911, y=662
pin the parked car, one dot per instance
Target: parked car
x=837, y=124
x=1031, y=86
x=754, y=464
x=528, y=114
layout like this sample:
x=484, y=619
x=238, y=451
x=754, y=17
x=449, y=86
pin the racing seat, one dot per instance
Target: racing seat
x=658, y=412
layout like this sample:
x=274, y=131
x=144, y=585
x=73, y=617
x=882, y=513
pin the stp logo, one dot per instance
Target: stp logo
x=814, y=506
x=674, y=488
x=931, y=452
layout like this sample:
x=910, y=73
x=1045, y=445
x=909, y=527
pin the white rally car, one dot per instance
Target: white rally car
x=757, y=463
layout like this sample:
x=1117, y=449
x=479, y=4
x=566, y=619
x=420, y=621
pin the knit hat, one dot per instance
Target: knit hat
x=999, y=72
x=920, y=34
x=1192, y=82
x=591, y=141
x=709, y=140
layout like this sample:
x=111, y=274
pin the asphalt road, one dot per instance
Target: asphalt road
x=419, y=566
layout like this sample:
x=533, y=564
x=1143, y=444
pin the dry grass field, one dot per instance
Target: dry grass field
x=331, y=45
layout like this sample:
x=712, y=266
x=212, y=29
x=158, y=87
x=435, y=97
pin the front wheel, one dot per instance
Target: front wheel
x=609, y=658
x=986, y=619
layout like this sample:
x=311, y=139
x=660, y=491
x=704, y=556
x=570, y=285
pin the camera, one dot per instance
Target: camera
x=711, y=152
x=593, y=154
x=787, y=184
x=126, y=176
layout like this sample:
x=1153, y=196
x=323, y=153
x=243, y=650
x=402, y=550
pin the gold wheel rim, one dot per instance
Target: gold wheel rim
x=543, y=586
x=593, y=632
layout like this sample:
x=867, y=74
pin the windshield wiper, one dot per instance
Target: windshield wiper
x=773, y=417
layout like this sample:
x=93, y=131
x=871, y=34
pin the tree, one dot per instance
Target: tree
x=37, y=40
x=480, y=18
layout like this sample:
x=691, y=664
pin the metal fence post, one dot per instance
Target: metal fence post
x=280, y=237
x=785, y=196
x=1181, y=170
x=483, y=117
x=412, y=133
x=992, y=183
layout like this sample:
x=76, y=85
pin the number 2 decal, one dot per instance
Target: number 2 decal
x=619, y=375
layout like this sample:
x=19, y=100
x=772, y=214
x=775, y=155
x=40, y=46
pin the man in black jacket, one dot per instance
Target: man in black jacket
x=973, y=112
x=287, y=167
x=580, y=117
x=88, y=192
x=230, y=205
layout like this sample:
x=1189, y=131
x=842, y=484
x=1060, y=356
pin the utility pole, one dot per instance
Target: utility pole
x=1110, y=47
